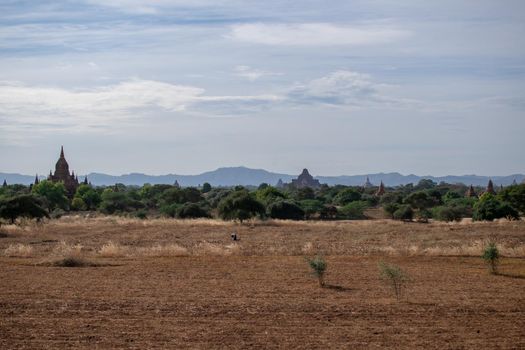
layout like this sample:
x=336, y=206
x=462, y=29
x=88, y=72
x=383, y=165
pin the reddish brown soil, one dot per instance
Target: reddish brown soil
x=251, y=301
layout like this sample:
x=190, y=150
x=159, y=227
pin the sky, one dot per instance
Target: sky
x=338, y=87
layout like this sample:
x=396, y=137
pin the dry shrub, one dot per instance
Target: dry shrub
x=206, y=248
x=19, y=250
x=167, y=250
x=307, y=248
x=63, y=249
x=112, y=250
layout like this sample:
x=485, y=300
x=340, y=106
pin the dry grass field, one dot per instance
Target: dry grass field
x=177, y=284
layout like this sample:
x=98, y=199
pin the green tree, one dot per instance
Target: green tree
x=192, y=211
x=206, y=187
x=346, y=196
x=285, y=210
x=115, y=202
x=515, y=196
x=25, y=205
x=240, y=205
x=89, y=196
x=489, y=208
x=269, y=195
x=353, y=211
x=404, y=212
x=54, y=194
x=311, y=207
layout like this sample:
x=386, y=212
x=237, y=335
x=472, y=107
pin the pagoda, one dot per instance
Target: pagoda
x=471, y=192
x=306, y=180
x=367, y=183
x=62, y=174
x=380, y=190
x=490, y=188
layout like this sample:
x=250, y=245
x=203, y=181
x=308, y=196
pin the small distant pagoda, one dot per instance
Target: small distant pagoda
x=471, y=193
x=490, y=187
x=62, y=175
x=367, y=183
x=306, y=180
x=176, y=184
x=380, y=190
x=4, y=184
x=280, y=184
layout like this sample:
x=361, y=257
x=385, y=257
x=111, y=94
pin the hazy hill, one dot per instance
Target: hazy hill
x=245, y=176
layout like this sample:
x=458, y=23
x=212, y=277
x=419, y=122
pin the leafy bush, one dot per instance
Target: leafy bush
x=318, y=266
x=170, y=210
x=353, y=211
x=394, y=276
x=25, y=205
x=285, y=210
x=347, y=196
x=490, y=208
x=311, y=207
x=192, y=211
x=404, y=212
x=240, y=205
x=449, y=213
x=491, y=257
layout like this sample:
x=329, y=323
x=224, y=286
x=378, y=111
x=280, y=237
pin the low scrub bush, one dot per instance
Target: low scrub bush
x=393, y=276
x=19, y=250
x=318, y=266
x=491, y=256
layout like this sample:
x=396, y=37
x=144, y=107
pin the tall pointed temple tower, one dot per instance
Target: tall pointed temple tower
x=471, y=192
x=62, y=175
x=490, y=188
x=381, y=189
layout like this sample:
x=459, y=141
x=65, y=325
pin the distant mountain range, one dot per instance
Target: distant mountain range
x=245, y=176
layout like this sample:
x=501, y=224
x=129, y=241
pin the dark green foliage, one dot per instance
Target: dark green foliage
x=118, y=202
x=304, y=193
x=170, y=210
x=90, y=197
x=192, y=211
x=420, y=200
x=311, y=207
x=25, y=205
x=390, y=208
x=181, y=195
x=490, y=208
x=448, y=213
x=141, y=214
x=515, y=196
x=206, y=187
x=346, y=196
x=285, y=210
x=425, y=184
x=353, y=211
x=269, y=195
x=318, y=266
x=329, y=212
x=450, y=196
x=215, y=196
x=491, y=257
x=240, y=205
x=53, y=193
x=404, y=212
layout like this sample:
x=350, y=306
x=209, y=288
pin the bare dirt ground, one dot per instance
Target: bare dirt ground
x=184, y=284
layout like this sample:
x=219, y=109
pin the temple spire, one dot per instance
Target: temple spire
x=85, y=180
x=381, y=189
x=36, y=179
x=490, y=187
x=4, y=184
x=62, y=152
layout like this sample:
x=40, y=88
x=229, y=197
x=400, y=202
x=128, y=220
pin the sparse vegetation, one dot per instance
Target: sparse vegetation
x=491, y=256
x=318, y=265
x=393, y=276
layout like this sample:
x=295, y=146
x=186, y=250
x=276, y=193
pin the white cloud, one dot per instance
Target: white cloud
x=345, y=88
x=315, y=34
x=103, y=107
x=252, y=74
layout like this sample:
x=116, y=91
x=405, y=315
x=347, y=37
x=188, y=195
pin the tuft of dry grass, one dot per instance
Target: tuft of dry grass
x=163, y=250
x=206, y=248
x=112, y=250
x=19, y=250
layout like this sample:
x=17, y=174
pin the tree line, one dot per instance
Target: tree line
x=421, y=202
